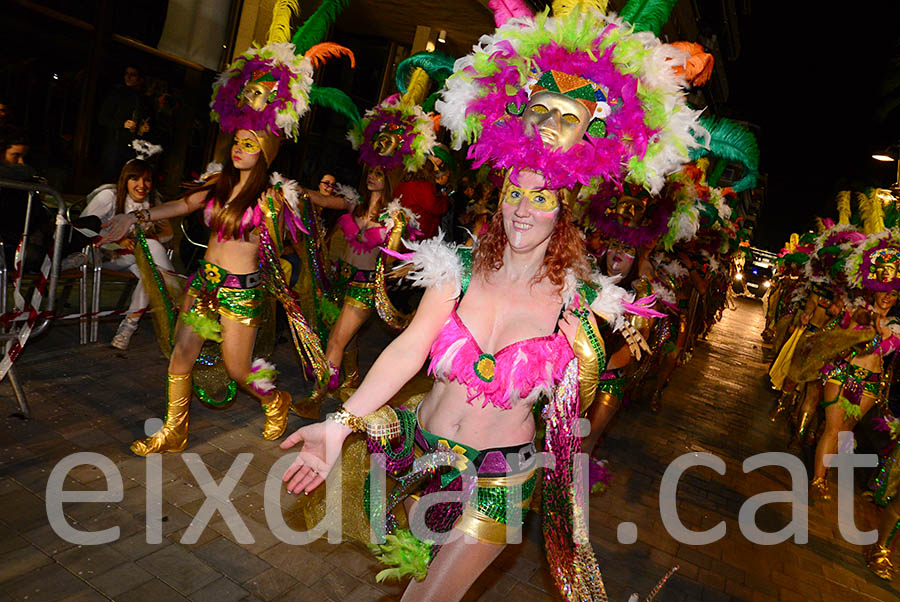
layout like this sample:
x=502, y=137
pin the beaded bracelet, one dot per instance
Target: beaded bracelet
x=353, y=422
x=141, y=215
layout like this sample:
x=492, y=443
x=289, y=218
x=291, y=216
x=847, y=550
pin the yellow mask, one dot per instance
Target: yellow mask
x=542, y=200
x=248, y=145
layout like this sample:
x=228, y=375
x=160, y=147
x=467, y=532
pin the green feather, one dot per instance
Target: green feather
x=336, y=100
x=796, y=258
x=203, y=325
x=437, y=65
x=648, y=15
x=732, y=142
x=408, y=555
x=314, y=29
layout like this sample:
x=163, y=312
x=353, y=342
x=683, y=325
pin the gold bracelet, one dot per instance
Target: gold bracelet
x=353, y=422
x=141, y=215
x=383, y=423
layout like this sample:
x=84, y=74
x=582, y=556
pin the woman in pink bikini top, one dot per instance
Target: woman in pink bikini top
x=367, y=228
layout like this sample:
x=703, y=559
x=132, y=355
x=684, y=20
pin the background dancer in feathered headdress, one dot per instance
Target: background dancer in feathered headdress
x=258, y=100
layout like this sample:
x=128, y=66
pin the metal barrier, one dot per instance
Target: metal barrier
x=12, y=332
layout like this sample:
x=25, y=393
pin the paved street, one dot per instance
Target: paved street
x=94, y=399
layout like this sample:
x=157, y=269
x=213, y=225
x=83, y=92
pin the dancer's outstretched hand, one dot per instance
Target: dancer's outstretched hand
x=116, y=228
x=322, y=443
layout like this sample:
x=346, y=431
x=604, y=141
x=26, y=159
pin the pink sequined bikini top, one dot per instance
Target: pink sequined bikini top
x=521, y=370
x=361, y=241
x=252, y=218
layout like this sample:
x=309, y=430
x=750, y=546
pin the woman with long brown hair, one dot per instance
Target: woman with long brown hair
x=242, y=206
x=133, y=192
x=366, y=228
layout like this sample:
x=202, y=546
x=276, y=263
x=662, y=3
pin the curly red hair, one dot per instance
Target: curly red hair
x=565, y=251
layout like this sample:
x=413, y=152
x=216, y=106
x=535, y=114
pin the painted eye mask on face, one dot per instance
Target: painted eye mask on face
x=540, y=200
x=248, y=145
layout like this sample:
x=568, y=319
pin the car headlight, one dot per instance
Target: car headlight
x=738, y=276
x=767, y=284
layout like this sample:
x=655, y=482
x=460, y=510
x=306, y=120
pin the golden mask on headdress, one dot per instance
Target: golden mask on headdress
x=630, y=210
x=387, y=142
x=563, y=107
x=560, y=121
x=258, y=91
x=885, y=263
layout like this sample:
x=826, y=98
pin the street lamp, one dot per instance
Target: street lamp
x=889, y=155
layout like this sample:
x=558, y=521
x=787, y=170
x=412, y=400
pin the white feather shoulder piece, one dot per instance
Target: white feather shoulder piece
x=213, y=168
x=393, y=208
x=435, y=263
x=289, y=189
x=610, y=296
x=348, y=193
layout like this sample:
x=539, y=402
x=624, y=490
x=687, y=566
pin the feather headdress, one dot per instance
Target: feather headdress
x=399, y=131
x=644, y=135
x=269, y=89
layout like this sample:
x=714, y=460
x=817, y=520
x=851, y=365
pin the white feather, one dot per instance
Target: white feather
x=610, y=296
x=289, y=189
x=348, y=193
x=663, y=292
x=435, y=264
x=213, y=168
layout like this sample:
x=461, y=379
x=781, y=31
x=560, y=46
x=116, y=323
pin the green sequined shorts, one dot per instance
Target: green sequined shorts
x=358, y=286
x=238, y=297
x=612, y=382
x=485, y=515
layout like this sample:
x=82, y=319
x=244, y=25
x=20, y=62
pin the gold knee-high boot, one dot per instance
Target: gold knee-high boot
x=276, y=406
x=879, y=556
x=802, y=426
x=172, y=437
x=311, y=405
x=350, y=366
x=785, y=401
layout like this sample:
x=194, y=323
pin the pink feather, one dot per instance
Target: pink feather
x=505, y=10
x=642, y=307
x=396, y=255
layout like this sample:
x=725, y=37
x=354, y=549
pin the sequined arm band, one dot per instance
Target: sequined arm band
x=380, y=424
x=142, y=216
x=588, y=348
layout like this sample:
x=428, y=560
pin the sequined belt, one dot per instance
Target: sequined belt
x=237, y=297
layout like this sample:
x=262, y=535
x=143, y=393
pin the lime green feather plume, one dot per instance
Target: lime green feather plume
x=732, y=142
x=406, y=553
x=314, y=29
x=648, y=15
x=336, y=100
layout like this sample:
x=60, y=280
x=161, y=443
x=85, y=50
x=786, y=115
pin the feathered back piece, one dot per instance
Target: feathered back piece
x=422, y=67
x=269, y=89
x=729, y=141
x=648, y=15
x=315, y=28
x=843, y=207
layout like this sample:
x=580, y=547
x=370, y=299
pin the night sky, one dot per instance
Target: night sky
x=814, y=79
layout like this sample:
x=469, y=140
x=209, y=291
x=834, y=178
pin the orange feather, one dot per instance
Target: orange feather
x=320, y=53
